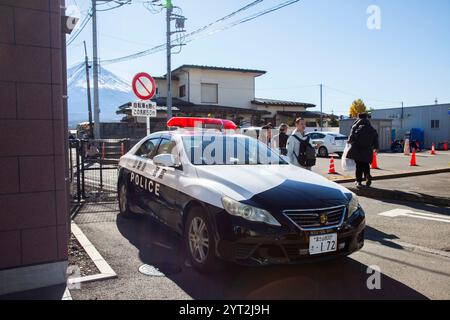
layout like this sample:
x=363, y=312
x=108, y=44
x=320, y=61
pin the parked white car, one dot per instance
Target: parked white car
x=330, y=142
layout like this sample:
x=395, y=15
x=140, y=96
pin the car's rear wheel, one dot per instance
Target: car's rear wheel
x=199, y=241
x=124, y=203
x=323, y=152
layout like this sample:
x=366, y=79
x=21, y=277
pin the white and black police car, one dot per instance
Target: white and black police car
x=233, y=198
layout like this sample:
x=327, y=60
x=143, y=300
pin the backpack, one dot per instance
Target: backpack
x=307, y=154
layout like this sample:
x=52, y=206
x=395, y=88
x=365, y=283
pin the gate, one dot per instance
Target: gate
x=93, y=170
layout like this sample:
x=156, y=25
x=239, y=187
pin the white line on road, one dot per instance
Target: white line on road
x=418, y=215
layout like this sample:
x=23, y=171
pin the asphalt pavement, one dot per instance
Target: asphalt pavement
x=412, y=251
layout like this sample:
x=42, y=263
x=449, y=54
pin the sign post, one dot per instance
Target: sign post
x=144, y=109
x=144, y=88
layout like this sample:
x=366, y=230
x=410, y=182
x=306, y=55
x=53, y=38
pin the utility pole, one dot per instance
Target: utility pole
x=91, y=131
x=95, y=58
x=169, y=8
x=321, y=109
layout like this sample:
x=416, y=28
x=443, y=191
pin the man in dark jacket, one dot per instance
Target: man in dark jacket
x=363, y=140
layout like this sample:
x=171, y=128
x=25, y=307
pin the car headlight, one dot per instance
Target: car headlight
x=353, y=205
x=248, y=212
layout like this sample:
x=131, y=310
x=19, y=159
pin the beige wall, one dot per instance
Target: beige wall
x=161, y=84
x=235, y=89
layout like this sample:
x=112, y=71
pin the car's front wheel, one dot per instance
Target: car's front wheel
x=199, y=241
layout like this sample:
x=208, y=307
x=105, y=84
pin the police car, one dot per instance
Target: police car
x=232, y=198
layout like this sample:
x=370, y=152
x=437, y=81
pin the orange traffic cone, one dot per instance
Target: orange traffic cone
x=332, y=169
x=413, y=159
x=433, y=150
x=374, y=161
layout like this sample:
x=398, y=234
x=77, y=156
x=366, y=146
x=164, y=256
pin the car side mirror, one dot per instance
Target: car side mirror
x=166, y=160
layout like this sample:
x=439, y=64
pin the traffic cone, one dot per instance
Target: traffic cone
x=445, y=146
x=433, y=150
x=332, y=169
x=413, y=159
x=374, y=161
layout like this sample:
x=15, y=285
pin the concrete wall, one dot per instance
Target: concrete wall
x=34, y=217
x=419, y=117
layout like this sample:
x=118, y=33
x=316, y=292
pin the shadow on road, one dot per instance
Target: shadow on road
x=341, y=279
x=381, y=237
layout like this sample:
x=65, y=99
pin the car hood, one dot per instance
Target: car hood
x=275, y=187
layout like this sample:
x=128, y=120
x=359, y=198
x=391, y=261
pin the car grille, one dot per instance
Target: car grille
x=311, y=219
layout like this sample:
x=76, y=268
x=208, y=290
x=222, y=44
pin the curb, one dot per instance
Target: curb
x=398, y=175
x=401, y=196
x=106, y=272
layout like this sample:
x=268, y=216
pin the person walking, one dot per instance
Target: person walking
x=364, y=141
x=266, y=134
x=300, y=151
x=279, y=141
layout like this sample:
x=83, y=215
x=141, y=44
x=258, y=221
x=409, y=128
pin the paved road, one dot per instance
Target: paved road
x=412, y=252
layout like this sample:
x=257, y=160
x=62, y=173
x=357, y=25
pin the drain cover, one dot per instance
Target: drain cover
x=162, y=270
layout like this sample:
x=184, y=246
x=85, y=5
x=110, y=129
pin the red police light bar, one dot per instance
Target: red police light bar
x=184, y=122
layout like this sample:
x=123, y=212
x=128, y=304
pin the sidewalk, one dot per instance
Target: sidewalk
x=391, y=165
x=433, y=189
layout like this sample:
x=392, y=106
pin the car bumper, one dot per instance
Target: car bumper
x=248, y=243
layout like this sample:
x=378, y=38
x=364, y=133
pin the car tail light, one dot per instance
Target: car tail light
x=185, y=122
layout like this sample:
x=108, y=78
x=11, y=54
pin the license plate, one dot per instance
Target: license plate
x=323, y=243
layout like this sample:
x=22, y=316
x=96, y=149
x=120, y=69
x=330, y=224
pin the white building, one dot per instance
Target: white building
x=226, y=93
x=433, y=119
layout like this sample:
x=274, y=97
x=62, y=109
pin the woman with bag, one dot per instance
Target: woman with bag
x=363, y=141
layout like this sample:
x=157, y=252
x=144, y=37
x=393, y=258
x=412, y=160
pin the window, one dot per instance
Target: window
x=434, y=124
x=209, y=93
x=315, y=136
x=148, y=148
x=166, y=146
x=182, y=91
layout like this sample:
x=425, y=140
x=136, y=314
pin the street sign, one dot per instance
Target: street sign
x=144, y=86
x=143, y=109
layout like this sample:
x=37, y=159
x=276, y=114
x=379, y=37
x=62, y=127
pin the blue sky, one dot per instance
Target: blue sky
x=300, y=46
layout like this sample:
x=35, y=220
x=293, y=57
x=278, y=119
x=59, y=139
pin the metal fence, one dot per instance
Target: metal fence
x=93, y=170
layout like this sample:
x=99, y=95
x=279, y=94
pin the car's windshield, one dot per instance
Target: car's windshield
x=229, y=150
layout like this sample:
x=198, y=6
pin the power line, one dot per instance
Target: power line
x=83, y=25
x=244, y=20
x=357, y=95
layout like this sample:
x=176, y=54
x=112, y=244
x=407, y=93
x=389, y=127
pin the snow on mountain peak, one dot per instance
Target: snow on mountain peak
x=76, y=77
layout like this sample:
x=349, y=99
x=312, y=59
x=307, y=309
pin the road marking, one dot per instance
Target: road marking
x=411, y=247
x=411, y=214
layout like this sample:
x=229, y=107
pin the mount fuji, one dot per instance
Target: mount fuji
x=113, y=92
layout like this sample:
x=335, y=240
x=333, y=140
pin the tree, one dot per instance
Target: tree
x=357, y=107
x=334, y=121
